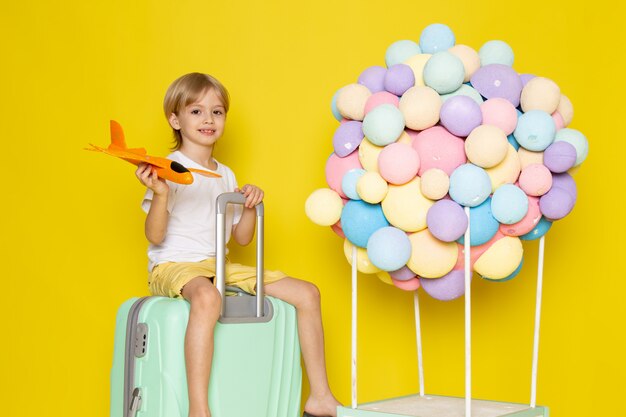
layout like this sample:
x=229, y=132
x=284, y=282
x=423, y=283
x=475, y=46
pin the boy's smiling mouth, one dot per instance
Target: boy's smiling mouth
x=207, y=131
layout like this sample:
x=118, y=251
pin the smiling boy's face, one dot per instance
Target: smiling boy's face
x=202, y=122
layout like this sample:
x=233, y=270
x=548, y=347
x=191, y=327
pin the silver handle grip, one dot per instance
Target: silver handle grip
x=220, y=262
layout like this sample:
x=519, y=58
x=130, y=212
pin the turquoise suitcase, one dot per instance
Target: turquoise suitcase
x=256, y=366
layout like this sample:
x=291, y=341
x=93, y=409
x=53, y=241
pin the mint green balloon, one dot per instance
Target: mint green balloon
x=383, y=125
x=444, y=72
x=496, y=52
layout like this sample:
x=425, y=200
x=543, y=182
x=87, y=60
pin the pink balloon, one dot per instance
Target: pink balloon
x=535, y=180
x=398, y=163
x=338, y=230
x=336, y=168
x=382, y=97
x=558, y=120
x=409, y=285
x=438, y=148
x=501, y=113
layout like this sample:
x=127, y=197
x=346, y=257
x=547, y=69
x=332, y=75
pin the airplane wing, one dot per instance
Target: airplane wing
x=209, y=174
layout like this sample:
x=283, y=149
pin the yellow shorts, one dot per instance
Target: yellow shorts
x=168, y=279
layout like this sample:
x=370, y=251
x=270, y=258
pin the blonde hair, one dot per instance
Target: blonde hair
x=187, y=90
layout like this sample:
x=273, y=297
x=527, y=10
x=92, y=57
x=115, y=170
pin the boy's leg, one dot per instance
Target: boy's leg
x=305, y=297
x=205, y=303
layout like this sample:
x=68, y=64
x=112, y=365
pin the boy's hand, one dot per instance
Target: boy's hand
x=147, y=176
x=253, y=194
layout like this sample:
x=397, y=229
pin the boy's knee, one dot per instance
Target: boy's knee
x=310, y=295
x=207, y=298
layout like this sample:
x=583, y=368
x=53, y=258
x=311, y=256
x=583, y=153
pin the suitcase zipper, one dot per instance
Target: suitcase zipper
x=132, y=394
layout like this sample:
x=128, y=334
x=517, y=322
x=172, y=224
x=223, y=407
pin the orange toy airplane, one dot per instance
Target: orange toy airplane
x=165, y=168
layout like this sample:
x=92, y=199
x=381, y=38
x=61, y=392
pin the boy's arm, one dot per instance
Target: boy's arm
x=157, y=218
x=243, y=232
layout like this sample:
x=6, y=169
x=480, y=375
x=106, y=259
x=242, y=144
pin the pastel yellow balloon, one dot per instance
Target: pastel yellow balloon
x=469, y=57
x=351, y=101
x=566, y=110
x=371, y=187
x=405, y=207
x=486, y=146
x=324, y=207
x=507, y=171
x=405, y=138
x=417, y=64
x=420, y=107
x=572, y=171
x=501, y=259
x=363, y=263
x=368, y=155
x=540, y=93
x=527, y=157
x=430, y=257
x=384, y=277
x=435, y=184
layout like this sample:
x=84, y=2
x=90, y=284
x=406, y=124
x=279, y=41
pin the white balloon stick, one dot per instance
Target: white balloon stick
x=418, y=336
x=468, y=321
x=354, y=317
x=533, y=383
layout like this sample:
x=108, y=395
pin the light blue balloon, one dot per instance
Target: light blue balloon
x=348, y=183
x=436, y=38
x=444, y=72
x=535, y=130
x=577, y=140
x=483, y=226
x=389, y=248
x=541, y=229
x=509, y=277
x=509, y=204
x=465, y=90
x=359, y=220
x=512, y=141
x=383, y=125
x=333, y=106
x=470, y=185
x=496, y=52
x=400, y=51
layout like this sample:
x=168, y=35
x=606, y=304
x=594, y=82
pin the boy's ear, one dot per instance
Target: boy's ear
x=174, y=121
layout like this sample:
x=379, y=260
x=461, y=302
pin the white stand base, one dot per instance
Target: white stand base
x=438, y=406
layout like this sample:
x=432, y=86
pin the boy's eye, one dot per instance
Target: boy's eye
x=195, y=111
x=218, y=112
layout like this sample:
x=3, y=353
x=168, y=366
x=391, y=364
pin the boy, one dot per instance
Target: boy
x=180, y=226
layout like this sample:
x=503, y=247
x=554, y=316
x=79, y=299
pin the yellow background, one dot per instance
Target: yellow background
x=72, y=230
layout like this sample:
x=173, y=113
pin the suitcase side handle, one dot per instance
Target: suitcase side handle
x=220, y=262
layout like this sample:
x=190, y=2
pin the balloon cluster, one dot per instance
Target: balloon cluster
x=441, y=128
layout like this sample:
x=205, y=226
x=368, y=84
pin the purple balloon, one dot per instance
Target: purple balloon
x=347, y=138
x=497, y=80
x=398, y=79
x=460, y=115
x=446, y=288
x=446, y=220
x=556, y=203
x=525, y=78
x=565, y=182
x=559, y=156
x=402, y=274
x=373, y=78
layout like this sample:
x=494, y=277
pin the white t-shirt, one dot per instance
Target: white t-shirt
x=190, y=235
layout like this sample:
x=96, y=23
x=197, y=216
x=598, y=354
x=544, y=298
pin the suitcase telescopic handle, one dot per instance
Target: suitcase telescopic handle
x=220, y=268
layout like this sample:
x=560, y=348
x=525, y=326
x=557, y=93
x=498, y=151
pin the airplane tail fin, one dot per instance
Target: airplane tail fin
x=117, y=136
